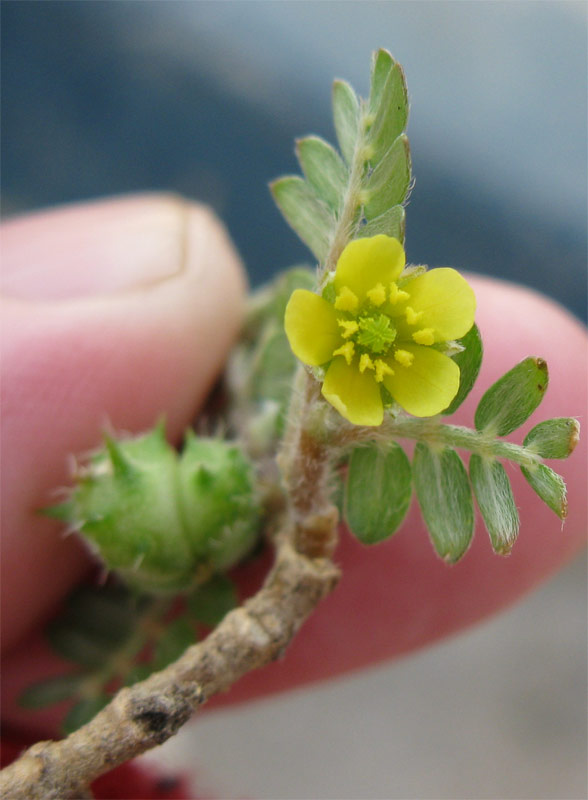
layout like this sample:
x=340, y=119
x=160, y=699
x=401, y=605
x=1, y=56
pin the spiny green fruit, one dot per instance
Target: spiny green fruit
x=160, y=519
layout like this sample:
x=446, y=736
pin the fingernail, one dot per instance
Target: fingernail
x=95, y=248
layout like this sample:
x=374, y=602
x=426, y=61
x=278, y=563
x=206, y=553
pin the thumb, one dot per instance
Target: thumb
x=118, y=309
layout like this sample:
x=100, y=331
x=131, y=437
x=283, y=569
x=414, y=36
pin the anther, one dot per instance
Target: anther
x=365, y=362
x=349, y=326
x=404, y=357
x=346, y=300
x=424, y=336
x=377, y=295
x=346, y=350
x=382, y=369
x=412, y=316
x=397, y=295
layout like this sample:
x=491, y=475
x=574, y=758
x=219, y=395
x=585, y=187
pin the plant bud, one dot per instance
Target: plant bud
x=160, y=519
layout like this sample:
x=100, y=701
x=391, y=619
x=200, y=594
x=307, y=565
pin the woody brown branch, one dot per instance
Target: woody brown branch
x=148, y=713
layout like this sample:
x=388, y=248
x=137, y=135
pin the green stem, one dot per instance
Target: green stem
x=439, y=434
x=344, y=230
x=122, y=660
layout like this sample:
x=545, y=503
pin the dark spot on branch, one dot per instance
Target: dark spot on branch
x=153, y=721
x=159, y=719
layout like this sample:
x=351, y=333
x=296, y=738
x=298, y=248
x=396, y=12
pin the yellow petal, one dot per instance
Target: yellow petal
x=366, y=262
x=426, y=387
x=311, y=327
x=354, y=394
x=444, y=302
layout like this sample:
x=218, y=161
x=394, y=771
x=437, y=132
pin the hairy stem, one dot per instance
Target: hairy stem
x=436, y=433
x=351, y=201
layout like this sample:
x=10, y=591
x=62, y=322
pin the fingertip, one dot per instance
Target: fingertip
x=121, y=344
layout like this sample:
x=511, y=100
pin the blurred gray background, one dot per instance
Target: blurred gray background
x=205, y=98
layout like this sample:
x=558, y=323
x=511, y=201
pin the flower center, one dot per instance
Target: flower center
x=376, y=333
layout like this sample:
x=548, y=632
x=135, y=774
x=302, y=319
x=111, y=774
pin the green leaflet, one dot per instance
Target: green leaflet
x=388, y=104
x=391, y=223
x=496, y=502
x=377, y=491
x=554, y=438
x=346, y=118
x=469, y=362
x=274, y=367
x=178, y=635
x=94, y=624
x=550, y=487
x=267, y=304
x=445, y=498
x=388, y=184
x=83, y=712
x=304, y=212
x=513, y=398
x=213, y=600
x=324, y=170
x=54, y=690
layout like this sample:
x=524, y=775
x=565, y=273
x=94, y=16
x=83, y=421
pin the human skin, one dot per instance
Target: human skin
x=123, y=309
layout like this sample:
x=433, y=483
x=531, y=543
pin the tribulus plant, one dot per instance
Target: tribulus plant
x=337, y=368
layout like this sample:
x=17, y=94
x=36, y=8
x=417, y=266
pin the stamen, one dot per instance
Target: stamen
x=346, y=350
x=377, y=295
x=365, y=362
x=346, y=300
x=412, y=316
x=404, y=357
x=424, y=336
x=349, y=326
x=382, y=369
x=396, y=294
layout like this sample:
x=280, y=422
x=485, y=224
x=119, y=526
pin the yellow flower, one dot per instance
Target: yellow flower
x=369, y=330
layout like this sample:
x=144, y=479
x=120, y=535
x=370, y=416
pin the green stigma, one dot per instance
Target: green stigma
x=376, y=333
